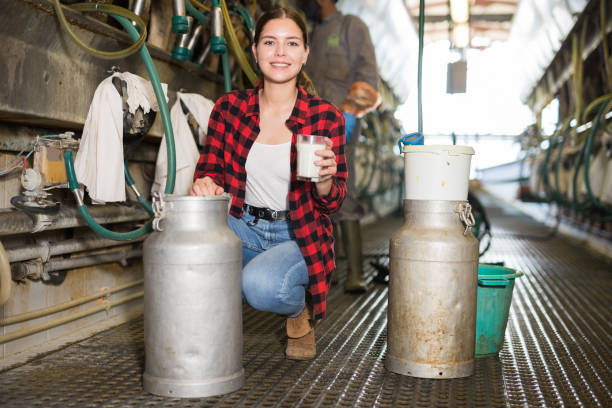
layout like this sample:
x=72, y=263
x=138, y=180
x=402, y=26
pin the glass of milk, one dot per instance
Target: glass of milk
x=306, y=146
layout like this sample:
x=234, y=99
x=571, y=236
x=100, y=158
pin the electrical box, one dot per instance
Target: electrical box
x=49, y=158
x=456, y=75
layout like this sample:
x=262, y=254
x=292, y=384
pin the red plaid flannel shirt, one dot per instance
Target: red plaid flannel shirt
x=232, y=129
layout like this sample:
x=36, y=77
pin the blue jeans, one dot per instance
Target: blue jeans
x=274, y=273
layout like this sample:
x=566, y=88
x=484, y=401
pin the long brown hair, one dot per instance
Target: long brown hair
x=283, y=12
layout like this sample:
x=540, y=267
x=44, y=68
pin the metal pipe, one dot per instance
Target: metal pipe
x=18, y=222
x=180, y=51
x=34, y=314
x=195, y=37
x=45, y=249
x=179, y=20
x=179, y=7
x=202, y=57
x=40, y=268
x=82, y=261
x=56, y=322
x=5, y=276
x=141, y=8
x=216, y=18
x=183, y=39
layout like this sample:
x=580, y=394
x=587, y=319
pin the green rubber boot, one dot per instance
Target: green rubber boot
x=351, y=237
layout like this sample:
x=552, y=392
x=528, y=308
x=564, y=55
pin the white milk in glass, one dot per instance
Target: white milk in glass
x=307, y=145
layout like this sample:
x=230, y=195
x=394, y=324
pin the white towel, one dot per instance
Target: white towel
x=99, y=161
x=187, y=153
x=201, y=108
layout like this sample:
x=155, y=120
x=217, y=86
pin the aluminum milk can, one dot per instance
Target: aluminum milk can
x=433, y=276
x=193, y=300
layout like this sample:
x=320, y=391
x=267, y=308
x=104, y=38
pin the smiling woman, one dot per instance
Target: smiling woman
x=250, y=152
x=279, y=52
x=293, y=34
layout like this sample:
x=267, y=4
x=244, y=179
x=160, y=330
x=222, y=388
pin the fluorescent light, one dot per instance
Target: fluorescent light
x=459, y=11
x=461, y=35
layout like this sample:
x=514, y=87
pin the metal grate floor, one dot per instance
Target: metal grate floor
x=557, y=351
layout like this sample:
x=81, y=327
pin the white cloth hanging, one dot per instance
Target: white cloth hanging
x=201, y=108
x=99, y=161
x=187, y=153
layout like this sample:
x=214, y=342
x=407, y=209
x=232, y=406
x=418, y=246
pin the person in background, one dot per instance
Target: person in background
x=342, y=67
x=250, y=153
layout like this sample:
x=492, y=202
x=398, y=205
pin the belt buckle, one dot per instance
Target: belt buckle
x=274, y=214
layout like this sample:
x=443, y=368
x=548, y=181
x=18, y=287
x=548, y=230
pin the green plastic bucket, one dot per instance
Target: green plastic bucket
x=495, y=285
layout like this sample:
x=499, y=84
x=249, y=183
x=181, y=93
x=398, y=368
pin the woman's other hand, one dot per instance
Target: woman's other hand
x=205, y=187
x=328, y=167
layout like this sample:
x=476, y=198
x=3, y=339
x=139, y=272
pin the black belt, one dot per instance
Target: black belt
x=266, y=213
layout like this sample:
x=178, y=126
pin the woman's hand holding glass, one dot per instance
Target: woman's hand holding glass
x=328, y=166
x=205, y=187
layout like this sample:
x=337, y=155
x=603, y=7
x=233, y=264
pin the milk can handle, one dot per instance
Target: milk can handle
x=465, y=214
x=159, y=210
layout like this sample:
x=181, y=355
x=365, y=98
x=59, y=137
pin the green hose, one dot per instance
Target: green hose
x=587, y=159
x=246, y=18
x=130, y=181
x=82, y=208
x=195, y=13
x=544, y=168
x=557, y=139
x=557, y=195
x=574, y=203
x=227, y=77
x=105, y=8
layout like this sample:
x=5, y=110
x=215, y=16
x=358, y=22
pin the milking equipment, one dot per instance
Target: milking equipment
x=180, y=25
x=193, y=305
x=181, y=51
x=433, y=263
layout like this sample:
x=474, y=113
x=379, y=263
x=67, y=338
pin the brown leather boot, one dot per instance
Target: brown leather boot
x=303, y=348
x=300, y=334
x=300, y=325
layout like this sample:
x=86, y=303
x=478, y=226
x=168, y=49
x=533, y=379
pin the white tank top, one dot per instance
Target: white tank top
x=268, y=176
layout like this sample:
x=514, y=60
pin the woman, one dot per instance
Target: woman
x=250, y=153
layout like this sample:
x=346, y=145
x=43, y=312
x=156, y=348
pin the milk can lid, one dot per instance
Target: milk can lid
x=438, y=149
